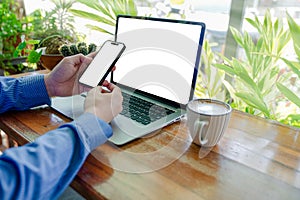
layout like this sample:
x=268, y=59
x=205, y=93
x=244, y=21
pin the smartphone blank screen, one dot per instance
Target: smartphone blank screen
x=99, y=68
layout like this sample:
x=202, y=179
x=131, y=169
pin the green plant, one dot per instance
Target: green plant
x=11, y=28
x=210, y=79
x=73, y=49
x=293, y=119
x=53, y=43
x=105, y=12
x=64, y=20
x=27, y=49
x=259, y=81
x=40, y=21
x=57, y=21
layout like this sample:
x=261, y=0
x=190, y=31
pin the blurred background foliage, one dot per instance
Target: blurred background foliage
x=263, y=82
x=259, y=76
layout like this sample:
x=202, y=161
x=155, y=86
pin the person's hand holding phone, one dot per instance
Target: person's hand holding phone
x=102, y=64
x=63, y=80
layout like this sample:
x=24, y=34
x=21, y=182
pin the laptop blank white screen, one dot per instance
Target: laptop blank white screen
x=160, y=57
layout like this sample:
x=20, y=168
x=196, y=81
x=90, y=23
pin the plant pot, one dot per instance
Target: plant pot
x=49, y=61
x=14, y=61
x=12, y=65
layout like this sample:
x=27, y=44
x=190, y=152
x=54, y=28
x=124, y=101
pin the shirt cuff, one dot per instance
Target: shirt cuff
x=34, y=92
x=91, y=130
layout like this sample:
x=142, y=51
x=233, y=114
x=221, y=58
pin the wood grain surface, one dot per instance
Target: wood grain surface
x=256, y=159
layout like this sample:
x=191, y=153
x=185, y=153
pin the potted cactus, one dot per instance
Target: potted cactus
x=81, y=47
x=56, y=48
x=51, y=55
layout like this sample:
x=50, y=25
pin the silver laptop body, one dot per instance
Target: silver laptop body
x=156, y=73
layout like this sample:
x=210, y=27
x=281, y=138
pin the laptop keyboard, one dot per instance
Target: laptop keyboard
x=142, y=111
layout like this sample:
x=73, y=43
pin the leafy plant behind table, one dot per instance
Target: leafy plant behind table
x=259, y=82
x=210, y=79
x=27, y=49
x=11, y=30
x=57, y=21
x=293, y=94
x=105, y=13
x=63, y=19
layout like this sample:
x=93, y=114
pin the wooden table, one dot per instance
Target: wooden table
x=256, y=159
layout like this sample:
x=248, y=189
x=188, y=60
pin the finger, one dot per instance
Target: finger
x=75, y=59
x=105, y=90
x=97, y=89
x=115, y=89
x=84, y=88
x=82, y=66
x=92, y=55
x=87, y=59
x=111, y=86
x=84, y=61
x=105, y=83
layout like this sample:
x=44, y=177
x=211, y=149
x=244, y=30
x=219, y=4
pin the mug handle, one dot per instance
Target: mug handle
x=198, y=127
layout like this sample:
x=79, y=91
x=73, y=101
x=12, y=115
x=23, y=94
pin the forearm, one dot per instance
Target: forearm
x=22, y=93
x=44, y=168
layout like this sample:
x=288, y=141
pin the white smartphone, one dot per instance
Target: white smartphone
x=102, y=63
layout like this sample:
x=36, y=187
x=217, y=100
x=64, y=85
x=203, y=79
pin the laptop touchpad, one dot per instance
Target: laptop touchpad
x=72, y=106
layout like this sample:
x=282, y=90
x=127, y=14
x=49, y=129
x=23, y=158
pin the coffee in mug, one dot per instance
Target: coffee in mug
x=207, y=120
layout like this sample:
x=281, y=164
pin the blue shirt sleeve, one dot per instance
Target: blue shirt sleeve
x=44, y=168
x=22, y=93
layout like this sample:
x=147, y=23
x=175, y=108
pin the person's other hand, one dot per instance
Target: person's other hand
x=63, y=79
x=103, y=104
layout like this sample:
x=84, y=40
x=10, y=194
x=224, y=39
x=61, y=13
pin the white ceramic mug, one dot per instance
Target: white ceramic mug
x=207, y=120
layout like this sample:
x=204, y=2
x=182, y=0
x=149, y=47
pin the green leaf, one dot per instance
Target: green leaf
x=237, y=36
x=34, y=56
x=226, y=68
x=108, y=11
x=252, y=22
x=288, y=94
x=294, y=117
x=105, y=8
x=295, y=32
x=230, y=89
x=276, y=27
x=283, y=41
x=92, y=16
x=226, y=60
x=267, y=22
x=32, y=42
x=117, y=8
x=259, y=25
x=21, y=46
x=295, y=66
x=132, y=10
x=248, y=45
x=254, y=101
x=241, y=72
x=261, y=83
x=94, y=4
x=96, y=28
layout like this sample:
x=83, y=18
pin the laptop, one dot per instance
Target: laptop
x=156, y=73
